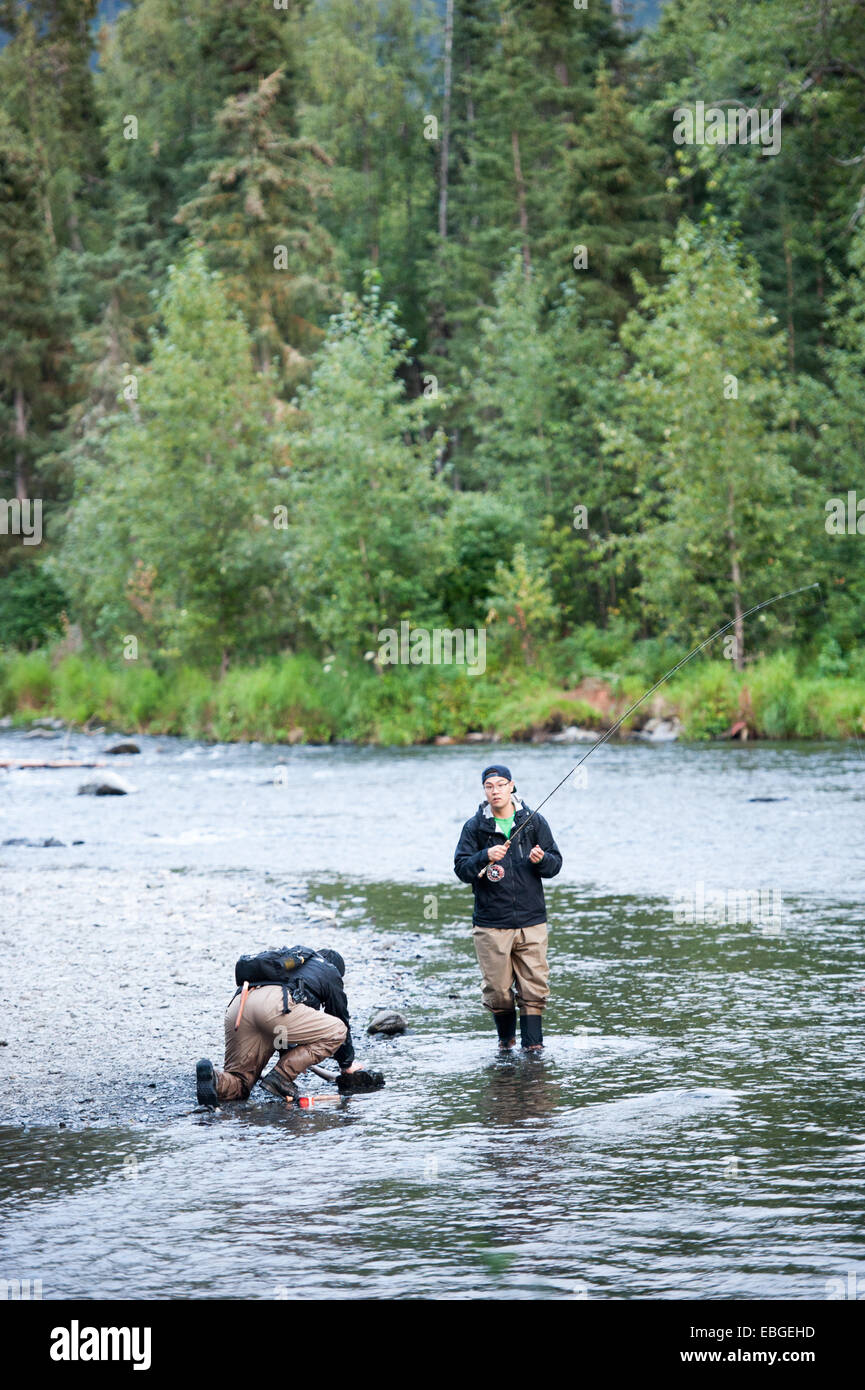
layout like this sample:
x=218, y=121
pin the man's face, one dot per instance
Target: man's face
x=498, y=793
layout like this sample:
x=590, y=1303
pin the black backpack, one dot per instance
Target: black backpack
x=271, y=967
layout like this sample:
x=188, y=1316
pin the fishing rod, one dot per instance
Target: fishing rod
x=609, y=733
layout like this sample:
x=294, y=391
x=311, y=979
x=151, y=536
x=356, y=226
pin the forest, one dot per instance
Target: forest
x=323, y=318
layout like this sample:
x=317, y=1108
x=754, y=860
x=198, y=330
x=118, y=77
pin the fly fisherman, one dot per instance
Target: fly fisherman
x=278, y=1007
x=510, y=913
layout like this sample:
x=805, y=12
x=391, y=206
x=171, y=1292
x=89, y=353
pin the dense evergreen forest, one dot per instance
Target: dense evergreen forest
x=323, y=317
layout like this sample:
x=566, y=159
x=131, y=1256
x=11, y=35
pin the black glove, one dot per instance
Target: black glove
x=360, y=1081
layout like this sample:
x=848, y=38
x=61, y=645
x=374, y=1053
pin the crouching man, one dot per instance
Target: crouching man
x=296, y=1006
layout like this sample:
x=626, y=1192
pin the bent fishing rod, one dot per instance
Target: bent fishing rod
x=630, y=710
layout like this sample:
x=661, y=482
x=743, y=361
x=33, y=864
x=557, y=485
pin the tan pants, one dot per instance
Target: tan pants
x=514, y=967
x=265, y=1029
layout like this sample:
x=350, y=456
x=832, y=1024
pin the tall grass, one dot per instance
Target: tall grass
x=297, y=699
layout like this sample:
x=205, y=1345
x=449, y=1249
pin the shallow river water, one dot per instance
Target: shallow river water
x=694, y=1128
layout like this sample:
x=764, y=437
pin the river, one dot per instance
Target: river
x=692, y=1130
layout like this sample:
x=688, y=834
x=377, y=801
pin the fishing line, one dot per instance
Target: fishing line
x=609, y=733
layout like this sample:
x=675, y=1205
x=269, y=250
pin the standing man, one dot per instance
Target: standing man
x=510, y=914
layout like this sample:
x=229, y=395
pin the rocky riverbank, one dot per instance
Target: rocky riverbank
x=120, y=980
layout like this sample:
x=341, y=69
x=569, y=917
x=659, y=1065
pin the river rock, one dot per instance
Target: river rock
x=388, y=1022
x=124, y=748
x=574, y=734
x=659, y=731
x=6, y=722
x=47, y=724
x=107, y=784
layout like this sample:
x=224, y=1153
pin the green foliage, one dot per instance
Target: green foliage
x=367, y=504
x=256, y=219
x=31, y=604
x=371, y=124
x=27, y=682
x=719, y=526
x=706, y=697
x=487, y=427
x=522, y=613
x=178, y=493
x=300, y=699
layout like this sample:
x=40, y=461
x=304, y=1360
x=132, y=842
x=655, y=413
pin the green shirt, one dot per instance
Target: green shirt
x=506, y=825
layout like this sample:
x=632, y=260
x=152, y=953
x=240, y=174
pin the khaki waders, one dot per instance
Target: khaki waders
x=265, y=1029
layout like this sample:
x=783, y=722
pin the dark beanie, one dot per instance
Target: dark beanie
x=333, y=958
x=500, y=769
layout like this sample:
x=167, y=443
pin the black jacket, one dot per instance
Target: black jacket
x=319, y=984
x=517, y=900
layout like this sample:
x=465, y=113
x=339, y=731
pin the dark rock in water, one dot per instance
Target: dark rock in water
x=108, y=784
x=50, y=843
x=124, y=748
x=768, y=798
x=388, y=1022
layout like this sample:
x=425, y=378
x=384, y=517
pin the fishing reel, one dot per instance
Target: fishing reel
x=495, y=872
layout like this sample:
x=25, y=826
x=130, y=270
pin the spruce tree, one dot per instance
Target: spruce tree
x=34, y=323
x=618, y=207
x=373, y=124
x=257, y=222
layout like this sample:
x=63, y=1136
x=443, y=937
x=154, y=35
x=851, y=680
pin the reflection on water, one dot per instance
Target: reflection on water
x=693, y=1129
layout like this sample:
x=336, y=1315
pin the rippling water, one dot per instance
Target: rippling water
x=693, y=1130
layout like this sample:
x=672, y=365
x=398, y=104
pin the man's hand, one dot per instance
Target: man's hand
x=536, y=855
x=355, y=1066
x=497, y=852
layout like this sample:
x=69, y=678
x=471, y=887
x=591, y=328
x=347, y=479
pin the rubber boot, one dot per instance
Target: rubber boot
x=531, y=1031
x=280, y=1085
x=506, y=1027
x=205, y=1083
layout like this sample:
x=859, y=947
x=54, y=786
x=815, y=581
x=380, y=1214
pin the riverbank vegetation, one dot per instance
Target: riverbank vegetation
x=297, y=699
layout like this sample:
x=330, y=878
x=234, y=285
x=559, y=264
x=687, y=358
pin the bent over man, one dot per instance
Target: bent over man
x=285, y=1016
x=510, y=913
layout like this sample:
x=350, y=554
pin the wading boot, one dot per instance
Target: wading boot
x=205, y=1083
x=280, y=1085
x=506, y=1027
x=531, y=1033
